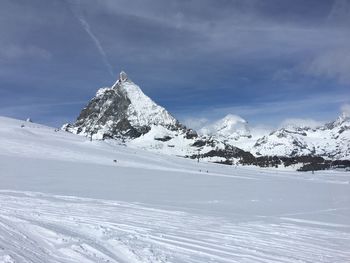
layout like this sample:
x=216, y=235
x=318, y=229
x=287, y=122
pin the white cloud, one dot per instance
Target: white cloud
x=333, y=61
x=272, y=113
x=332, y=64
x=195, y=123
x=272, y=107
x=261, y=130
x=297, y=122
x=345, y=109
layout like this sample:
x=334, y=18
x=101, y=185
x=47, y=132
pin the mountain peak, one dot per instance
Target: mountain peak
x=121, y=111
x=123, y=76
x=231, y=118
x=230, y=127
x=232, y=124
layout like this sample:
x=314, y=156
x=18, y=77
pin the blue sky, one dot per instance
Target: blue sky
x=266, y=61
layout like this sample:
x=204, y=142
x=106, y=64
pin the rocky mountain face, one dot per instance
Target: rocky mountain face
x=330, y=141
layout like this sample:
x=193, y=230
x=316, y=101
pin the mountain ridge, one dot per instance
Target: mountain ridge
x=125, y=113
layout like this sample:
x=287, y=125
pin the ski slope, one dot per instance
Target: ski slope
x=64, y=199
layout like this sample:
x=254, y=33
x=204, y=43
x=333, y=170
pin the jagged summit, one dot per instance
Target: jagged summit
x=121, y=111
x=123, y=76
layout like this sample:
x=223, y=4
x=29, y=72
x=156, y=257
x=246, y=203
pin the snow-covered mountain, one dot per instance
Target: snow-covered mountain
x=331, y=141
x=122, y=111
x=233, y=130
x=125, y=113
x=230, y=128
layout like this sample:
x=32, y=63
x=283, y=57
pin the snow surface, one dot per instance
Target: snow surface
x=64, y=199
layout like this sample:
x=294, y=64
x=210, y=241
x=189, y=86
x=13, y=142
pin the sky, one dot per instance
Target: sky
x=270, y=62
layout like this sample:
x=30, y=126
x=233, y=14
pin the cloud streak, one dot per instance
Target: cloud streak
x=76, y=11
x=332, y=64
x=345, y=108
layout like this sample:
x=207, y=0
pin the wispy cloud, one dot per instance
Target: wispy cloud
x=271, y=112
x=15, y=52
x=345, y=108
x=292, y=122
x=76, y=11
x=196, y=123
x=40, y=110
x=331, y=64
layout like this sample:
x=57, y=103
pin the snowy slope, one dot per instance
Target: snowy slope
x=143, y=111
x=64, y=199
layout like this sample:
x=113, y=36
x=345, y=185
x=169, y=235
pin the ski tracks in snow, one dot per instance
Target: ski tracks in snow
x=38, y=228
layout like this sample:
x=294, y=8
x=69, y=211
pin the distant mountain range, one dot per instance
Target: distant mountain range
x=331, y=140
x=123, y=112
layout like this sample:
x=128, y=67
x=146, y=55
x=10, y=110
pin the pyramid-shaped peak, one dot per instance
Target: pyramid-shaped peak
x=123, y=76
x=122, y=111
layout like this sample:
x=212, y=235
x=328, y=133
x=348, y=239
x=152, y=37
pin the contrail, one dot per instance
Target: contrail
x=85, y=25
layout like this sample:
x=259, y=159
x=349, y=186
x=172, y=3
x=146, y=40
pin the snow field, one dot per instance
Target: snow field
x=64, y=199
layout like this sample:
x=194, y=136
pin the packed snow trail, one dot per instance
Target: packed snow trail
x=63, y=199
x=48, y=228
